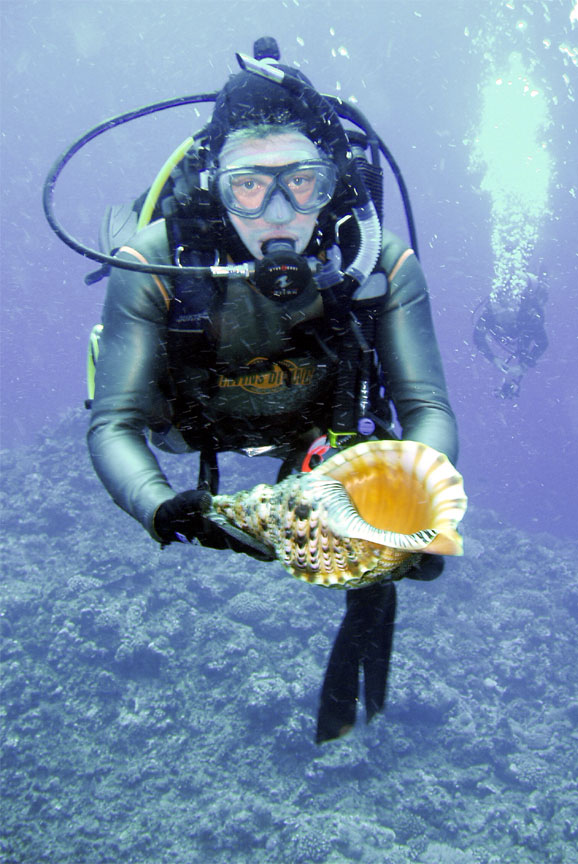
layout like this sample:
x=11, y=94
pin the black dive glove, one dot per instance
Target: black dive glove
x=428, y=568
x=183, y=518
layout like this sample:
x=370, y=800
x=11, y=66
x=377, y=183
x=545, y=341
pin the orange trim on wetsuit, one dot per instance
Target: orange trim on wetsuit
x=399, y=264
x=130, y=251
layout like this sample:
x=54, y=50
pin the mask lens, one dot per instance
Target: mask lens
x=310, y=186
x=247, y=191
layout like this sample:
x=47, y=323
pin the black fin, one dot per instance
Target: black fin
x=377, y=648
x=365, y=634
x=341, y=684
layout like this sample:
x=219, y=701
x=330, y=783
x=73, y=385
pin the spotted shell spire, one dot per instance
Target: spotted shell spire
x=360, y=517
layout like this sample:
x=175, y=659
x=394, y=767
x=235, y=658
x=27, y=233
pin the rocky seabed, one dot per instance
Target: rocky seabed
x=158, y=706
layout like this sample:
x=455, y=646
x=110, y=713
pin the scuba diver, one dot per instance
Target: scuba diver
x=264, y=310
x=513, y=339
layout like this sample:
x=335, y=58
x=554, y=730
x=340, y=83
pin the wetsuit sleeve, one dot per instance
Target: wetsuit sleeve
x=410, y=358
x=132, y=361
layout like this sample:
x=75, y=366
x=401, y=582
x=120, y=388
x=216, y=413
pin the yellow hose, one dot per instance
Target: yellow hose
x=159, y=181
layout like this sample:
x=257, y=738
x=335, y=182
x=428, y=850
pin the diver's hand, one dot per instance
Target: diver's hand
x=428, y=568
x=183, y=518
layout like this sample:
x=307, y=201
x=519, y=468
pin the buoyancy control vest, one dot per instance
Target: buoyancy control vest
x=329, y=352
x=220, y=394
x=248, y=371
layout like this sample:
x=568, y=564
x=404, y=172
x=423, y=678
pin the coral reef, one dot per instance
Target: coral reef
x=159, y=705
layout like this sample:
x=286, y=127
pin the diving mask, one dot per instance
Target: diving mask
x=307, y=185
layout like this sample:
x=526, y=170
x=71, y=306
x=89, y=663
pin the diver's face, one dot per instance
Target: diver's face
x=279, y=219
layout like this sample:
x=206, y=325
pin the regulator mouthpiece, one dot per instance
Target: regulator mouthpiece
x=282, y=274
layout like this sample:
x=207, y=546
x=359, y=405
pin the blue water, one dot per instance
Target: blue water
x=417, y=69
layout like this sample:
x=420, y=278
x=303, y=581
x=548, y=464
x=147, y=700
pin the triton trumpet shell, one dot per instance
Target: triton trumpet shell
x=361, y=517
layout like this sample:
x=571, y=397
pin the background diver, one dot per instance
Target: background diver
x=303, y=289
x=513, y=339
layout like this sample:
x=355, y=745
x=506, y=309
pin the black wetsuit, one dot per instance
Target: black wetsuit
x=272, y=379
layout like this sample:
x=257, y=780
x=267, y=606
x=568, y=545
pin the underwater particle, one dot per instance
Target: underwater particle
x=343, y=52
x=521, y=26
x=300, y=41
x=569, y=52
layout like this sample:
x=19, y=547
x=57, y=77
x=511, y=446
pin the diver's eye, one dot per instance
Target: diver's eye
x=300, y=181
x=241, y=185
x=302, y=187
x=245, y=185
x=250, y=188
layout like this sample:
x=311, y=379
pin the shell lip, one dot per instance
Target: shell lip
x=344, y=521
